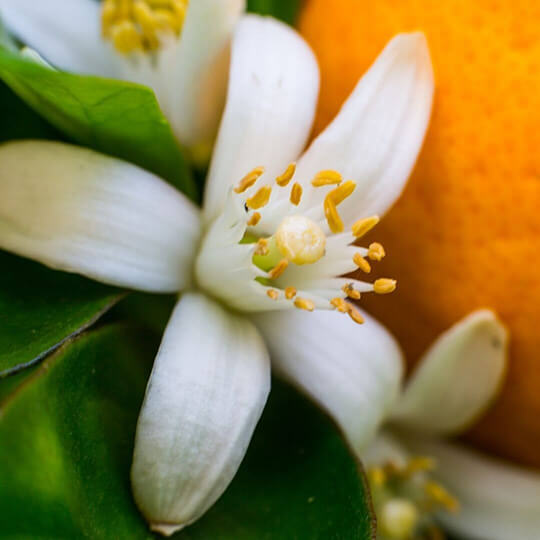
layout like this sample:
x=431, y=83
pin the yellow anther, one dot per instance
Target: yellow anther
x=332, y=199
x=376, y=252
x=260, y=198
x=272, y=293
x=332, y=217
x=363, y=226
x=283, y=179
x=326, y=178
x=355, y=315
x=340, y=304
x=135, y=24
x=384, y=286
x=296, y=194
x=254, y=219
x=350, y=291
x=377, y=476
x=340, y=193
x=419, y=464
x=304, y=303
x=278, y=269
x=262, y=247
x=361, y=263
x=248, y=180
x=290, y=293
x=440, y=496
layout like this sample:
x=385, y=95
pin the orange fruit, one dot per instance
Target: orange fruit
x=466, y=232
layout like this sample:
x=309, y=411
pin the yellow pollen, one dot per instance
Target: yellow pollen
x=355, y=315
x=290, y=293
x=340, y=304
x=440, y=496
x=260, y=198
x=332, y=199
x=296, y=194
x=350, y=291
x=384, y=286
x=272, y=293
x=285, y=178
x=262, y=247
x=304, y=303
x=326, y=178
x=254, y=219
x=280, y=267
x=376, y=252
x=363, y=226
x=248, y=180
x=361, y=263
x=419, y=464
x=377, y=476
x=135, y=25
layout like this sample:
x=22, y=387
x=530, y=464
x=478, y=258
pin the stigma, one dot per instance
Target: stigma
x=140, y=25
x=300, y=240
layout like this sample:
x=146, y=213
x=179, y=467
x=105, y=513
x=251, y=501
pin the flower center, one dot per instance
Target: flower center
x=138, y=25
x=406, y=499
x=253, y=264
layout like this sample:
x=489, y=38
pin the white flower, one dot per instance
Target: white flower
x=266, y=249
x=180, y=50
x=452, y=385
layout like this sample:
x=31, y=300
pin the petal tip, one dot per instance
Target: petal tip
x=166, y=529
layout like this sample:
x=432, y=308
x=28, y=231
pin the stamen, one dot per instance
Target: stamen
x=332, y=199
x=290, y=293
x=262, y=247
x=363, y=226
x=278, y=269
x=304, y=303
x=350, y=291
x=419, y=464
x=384, y=286
x=326, y=178
x=377, y=476
x=376, y=252
x=440, y=496
x=340, y=304
x=272, y=293
x=355, y=315
x=296, y=194
x=285, y=178
x=260, y=198
x=254, y=219
x=248, y=180
x=361, y=263
x=135, y=24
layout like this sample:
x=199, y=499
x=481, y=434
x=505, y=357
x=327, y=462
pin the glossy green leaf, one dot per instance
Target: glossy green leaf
x=286, y=10
x=41, y=308
x=67, y=437
x=114, y=117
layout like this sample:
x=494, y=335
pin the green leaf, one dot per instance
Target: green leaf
x=118, y=118
x=41, y=308
x=286, y=10
x=67, y=437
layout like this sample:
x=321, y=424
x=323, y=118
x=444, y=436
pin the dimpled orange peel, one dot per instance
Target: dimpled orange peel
x=466, y=232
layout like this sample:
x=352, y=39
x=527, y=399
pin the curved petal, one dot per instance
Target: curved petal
x=67, y=33
x=79, y=211
x=353, y=372
x=497, y=500
x=457, y=378
x=376, y=137
x=273, y=88
x=206, y=393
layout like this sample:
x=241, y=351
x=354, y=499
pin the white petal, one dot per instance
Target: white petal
x=384, y=448
x=206, y=393
x=353, y=371
x=76, y=210
x=378, y=132
x=273, y=88
x=498, y=501
x=67, y=33
x=457, y=378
